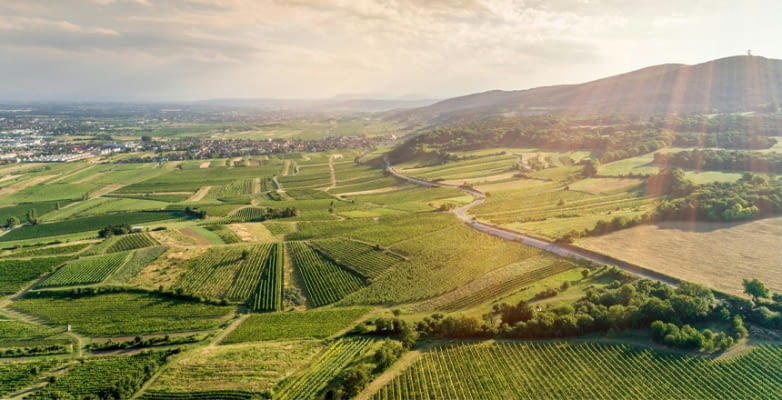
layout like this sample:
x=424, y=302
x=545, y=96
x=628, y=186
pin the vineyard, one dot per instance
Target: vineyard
x=87, y=224
x=232, y=190
x=308, y=383
x=230, y=272
x=493, y=291
x=316, y=324
x=249, y=367
x=268, y=294
x=138, y=261
x=125, y=313
x=14, y=274
x=50, y=250
x=16, y=375
x=105, y=377
x=131, y=241
x=87, y=270
x=326, y=282
x=363, y=259
x=249, y=214
x=563, y=370
x=200, y=395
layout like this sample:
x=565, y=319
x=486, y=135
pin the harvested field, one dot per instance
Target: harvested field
x=716, y=254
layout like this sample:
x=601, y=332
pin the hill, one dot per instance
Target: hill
x=739, y=83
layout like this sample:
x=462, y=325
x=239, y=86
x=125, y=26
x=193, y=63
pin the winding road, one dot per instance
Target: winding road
x=562, y=250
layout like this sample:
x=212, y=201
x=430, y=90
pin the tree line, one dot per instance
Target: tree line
x=722, y=160
x=615, y=137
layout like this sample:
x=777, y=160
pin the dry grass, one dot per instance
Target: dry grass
x=166, y=269
x=9, y=190
x=200, y=194
x=482, y=179
x=716, y=254
x=520, y=183
x=253, y=232
x=603, y=185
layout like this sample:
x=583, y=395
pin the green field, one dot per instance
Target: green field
x=86, y=224
x=105, y=377
x=16, y=273
x=87, y=270
x=566, y=370
x=119, y=314
x=316, y=324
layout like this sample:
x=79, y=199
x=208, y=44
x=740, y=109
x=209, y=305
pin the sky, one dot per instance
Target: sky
x=181, y=50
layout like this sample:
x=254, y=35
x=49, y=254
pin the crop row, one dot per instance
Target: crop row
x=495, y=290
x=14, y=274
x=230, y=272
x=16, y=375
x=50, y=250
x=268, y=293
x=317, y=324
x=308, y=383
x=211, y=273
x=138, y=261
x=200, y=395
x=326, y=282
x=231, y=190
x=105, y=377
x=584, y=370
x=130, y=242
x=86, y=224
x=124, y=314
x=87, y=270
x=361, y=258
x=250, y=273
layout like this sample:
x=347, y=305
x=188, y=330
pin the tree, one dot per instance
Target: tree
x=755, y=288
x=12, y=222
x=590, y=168
x=32, y=218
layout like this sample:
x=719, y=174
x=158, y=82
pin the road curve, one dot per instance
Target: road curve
x=562, y=250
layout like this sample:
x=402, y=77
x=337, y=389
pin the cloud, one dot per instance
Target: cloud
x=305, y=48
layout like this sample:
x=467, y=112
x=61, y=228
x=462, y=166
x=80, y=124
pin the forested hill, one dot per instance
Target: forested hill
x=740, y=83
x=609, y=137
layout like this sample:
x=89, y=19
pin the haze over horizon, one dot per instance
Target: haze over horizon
x=166, y=50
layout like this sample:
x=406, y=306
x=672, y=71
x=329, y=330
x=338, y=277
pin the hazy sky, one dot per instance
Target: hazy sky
x=198, y=49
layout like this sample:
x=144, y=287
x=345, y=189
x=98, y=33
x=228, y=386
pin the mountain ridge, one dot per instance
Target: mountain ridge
x=730, y=84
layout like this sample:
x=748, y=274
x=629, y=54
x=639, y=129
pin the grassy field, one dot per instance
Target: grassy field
x=254, y=367
x=716, y=254
x=121, y=314
x=567, y=370
x=316, y=324
x=551, y=209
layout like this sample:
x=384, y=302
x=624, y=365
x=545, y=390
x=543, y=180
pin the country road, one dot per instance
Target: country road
x=545, y=245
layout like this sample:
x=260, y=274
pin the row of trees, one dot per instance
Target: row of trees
x=722, y=160
x=622, y=305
